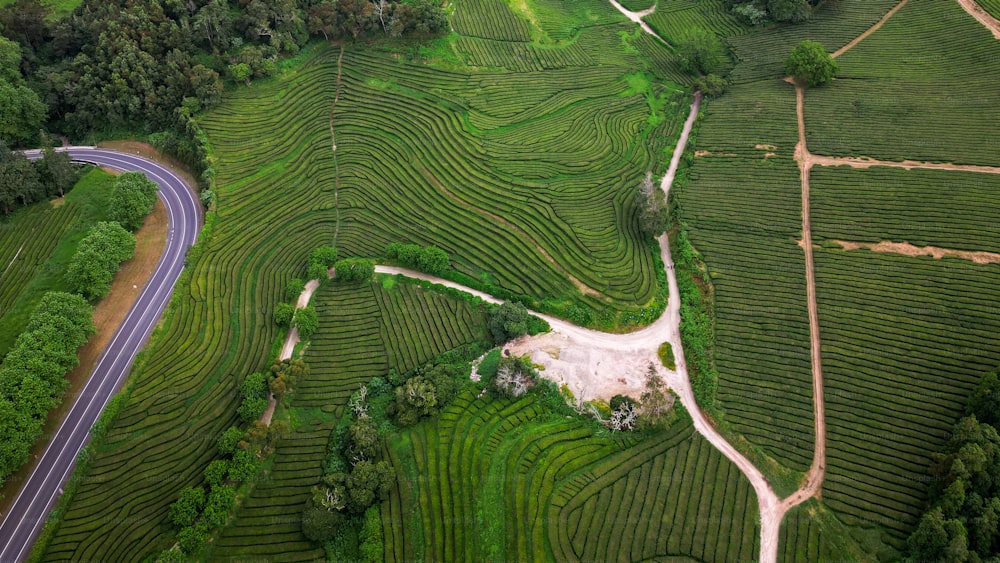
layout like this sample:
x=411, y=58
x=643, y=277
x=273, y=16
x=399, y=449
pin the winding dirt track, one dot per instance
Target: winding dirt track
x=984, y=17
x=637, y=18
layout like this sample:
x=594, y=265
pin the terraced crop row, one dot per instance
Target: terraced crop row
x=403, y=144
x=920, y=88
x=950, y=209
x=497, y=479
x=26, y=241
x=489, y=19
x=572, y=161
x=835, y=24
x=221, y=319
x=520, y=57
x=364, y=331
x=991, y=6
x=742, y=208
x=674, y=17
x=904, y=341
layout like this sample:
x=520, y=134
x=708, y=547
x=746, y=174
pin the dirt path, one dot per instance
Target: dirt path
x=984, y=17
x=11, y=263
x=333, y=145
x=646, y=341
x=866, y=162
x=584, y=288
x=870, y=31
x=907, y=249
x=813, y=482
x=637, y=18
x=291, y=341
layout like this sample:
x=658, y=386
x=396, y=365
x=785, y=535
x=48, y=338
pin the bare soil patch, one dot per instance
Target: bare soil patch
x=907, y=249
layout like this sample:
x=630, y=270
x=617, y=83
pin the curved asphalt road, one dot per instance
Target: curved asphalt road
x=28, y=513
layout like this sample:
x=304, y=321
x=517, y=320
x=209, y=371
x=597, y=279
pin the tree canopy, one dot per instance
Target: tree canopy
x=810, y=64
x=97, y=258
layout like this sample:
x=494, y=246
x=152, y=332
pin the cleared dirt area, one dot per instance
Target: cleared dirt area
x=907, y=249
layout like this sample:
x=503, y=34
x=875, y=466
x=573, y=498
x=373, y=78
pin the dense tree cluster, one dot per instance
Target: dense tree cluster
x=508, y=321
x=149, y=64
x=23, y=182
x=354, y=270
x=757, y=12
x=132, y=199
x=32, y=374
x=97, y=258
x=962, y=522
x=320, y=261
x=197, y=512
x=428, y=259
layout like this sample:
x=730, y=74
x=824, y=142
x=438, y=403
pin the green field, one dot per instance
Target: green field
x=742, y=209
x=364, y=331
x=673, y=17
x=922, y=88
x=991, y=6
x=36, y=245
x=949, y=209
x=904, y=342
x=834, y=24
x=428, y=150
x=510, y=480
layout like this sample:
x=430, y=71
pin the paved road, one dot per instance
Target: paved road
x=28, y=513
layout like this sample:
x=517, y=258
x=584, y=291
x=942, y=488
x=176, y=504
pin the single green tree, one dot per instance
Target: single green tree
x=306, y=322
x=283, y=314
x=700, y=51
x=810, y=64
x=508, y=321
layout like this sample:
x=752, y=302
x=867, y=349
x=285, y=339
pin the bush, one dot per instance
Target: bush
x=711, y=85
x=283, y=314
x=508, y=321
x=354, y=270
x=32, y=374
x=229, y=440
x=132, y=199
x=306, y=322
x=320, y=524
x=184, y=510
x=294, y=288
x=372, y=542
x=215, y=472
x=97, y=258
x=429, y=259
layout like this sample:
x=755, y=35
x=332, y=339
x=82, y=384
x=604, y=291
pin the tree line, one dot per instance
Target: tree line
x=147, y=65
x=962, y=520
x=32, y=374
x=23, y=181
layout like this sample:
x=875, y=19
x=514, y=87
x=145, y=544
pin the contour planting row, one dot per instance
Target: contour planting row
x=904, y=341
x=674, y=18
x=835, y=24
x=364, y=330
x=455, y=162
x=919, y=88
x=221, y=317
x=743, y=216
x=672, y=495
x=949, y=209
x=489, y=19
x=519, y=57
x=26, y=241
